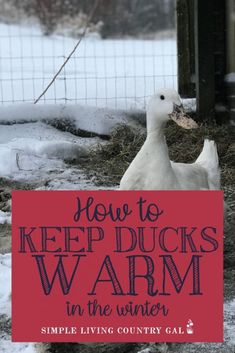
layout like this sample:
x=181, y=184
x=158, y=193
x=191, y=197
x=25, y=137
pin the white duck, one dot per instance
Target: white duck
x=152, y=169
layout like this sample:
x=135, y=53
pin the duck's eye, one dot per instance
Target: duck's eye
x=162, y=97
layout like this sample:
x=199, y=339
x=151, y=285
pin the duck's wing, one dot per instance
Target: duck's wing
x=209, y=160
x=135, y=176
x=191, y=176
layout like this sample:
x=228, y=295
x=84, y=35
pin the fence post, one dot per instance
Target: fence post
x=185, y=46
x=231, y=57
x=204, y=58
x=230, y=35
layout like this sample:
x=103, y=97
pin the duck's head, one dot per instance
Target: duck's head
x=166, y=105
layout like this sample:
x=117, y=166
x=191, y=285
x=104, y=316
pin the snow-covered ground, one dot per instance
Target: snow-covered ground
x=6, y=346
x=5, y=217
x=36, y=153
x=100, y=121
x=115, y=73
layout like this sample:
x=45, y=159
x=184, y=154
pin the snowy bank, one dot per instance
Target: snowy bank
x=5, y=288
x=6, y=346
x=36, y=151
x=99, y=121
x=5, y=217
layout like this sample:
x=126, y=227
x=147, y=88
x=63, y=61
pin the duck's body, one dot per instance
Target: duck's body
x=152, y=169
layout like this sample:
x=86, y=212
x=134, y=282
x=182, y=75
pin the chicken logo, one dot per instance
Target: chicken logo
x=190, y=327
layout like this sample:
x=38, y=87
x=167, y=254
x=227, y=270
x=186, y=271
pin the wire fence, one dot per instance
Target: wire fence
x=117, y=73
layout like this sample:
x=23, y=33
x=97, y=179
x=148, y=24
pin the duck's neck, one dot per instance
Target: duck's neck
x=156, y=132
x=157, y=142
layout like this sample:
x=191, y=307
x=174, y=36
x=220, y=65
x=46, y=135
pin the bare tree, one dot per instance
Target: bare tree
x=120, y=17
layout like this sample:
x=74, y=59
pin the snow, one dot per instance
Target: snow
x=7, y=346
x=5, y=217
x=5, y=290
x=20, y=155
x=36, y=152
x=97, y=120
x=101, y=121
x=42, y=132
x=114, y=73
x=117, y=73
x=229, y=312
x=230, y=77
